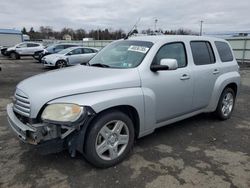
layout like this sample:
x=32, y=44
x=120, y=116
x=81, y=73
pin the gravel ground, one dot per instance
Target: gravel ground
x=197, y=152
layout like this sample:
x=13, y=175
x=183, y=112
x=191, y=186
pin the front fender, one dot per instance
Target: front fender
x=220, y=84
x=103, y=100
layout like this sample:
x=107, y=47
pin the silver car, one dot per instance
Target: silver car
x=24, y=49
x=69, y=56
x=130, y=88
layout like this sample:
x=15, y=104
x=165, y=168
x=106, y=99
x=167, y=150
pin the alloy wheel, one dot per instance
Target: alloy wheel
x=112, y=140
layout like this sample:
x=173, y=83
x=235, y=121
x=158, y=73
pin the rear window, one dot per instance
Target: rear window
x=224, y=51
x=202, y=52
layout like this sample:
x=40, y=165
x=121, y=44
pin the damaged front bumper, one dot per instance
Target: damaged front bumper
x=42, y=134
x=36, y=133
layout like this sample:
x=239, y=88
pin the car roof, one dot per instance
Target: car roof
x=71, y=44
x=158, y=38
x=75, y=47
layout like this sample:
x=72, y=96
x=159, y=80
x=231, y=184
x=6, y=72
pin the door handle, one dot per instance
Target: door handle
x=216, y=71
x=185, y=77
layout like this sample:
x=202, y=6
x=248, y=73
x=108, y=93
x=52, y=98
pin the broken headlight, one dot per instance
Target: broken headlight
x=62, y=113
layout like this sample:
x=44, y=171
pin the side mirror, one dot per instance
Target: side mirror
x=165, y=64
x=70, y=53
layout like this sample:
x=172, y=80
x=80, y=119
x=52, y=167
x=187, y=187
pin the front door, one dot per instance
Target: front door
x=75, y=56
x=172, y=89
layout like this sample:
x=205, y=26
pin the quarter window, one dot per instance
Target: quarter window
x=172, y=51
x=202, y=53
x=224, y=51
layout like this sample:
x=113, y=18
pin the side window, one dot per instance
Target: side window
x=87, y=51
x=23, y=45
x=76, y=51
x=224, y=51
x=32, y=45
x=59, y=47
x=67, y=46
x=172, y=51
x=202, y=52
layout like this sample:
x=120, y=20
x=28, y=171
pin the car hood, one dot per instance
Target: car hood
x=11, y=48
x=51, y=85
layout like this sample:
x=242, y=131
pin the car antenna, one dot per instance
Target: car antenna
x=131, y=31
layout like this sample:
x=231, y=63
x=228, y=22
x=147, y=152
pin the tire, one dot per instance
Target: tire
x=61, y=64
x=14, y=55
x=118, y=129
x=226, y=104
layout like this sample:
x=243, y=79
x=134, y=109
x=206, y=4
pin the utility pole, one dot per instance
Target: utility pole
x=201, y=27
x=156, y=20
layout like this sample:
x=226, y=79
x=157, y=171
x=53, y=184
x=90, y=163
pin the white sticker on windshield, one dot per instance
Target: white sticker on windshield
x=141, y=49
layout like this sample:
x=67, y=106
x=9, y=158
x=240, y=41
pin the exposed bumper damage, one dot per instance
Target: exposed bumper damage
x=49, y=138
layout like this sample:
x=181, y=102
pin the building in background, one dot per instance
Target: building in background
x=67, y=37
x=241, y=48
x=10, y=37
x=26, y=37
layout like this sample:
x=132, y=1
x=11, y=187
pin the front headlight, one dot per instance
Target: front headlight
x=62, y=112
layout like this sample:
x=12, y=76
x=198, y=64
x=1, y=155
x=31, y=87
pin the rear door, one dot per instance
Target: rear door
x=87, y=54
x=205, y=70
x=32, y=48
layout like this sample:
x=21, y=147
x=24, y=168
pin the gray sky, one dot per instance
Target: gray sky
x=218, y=15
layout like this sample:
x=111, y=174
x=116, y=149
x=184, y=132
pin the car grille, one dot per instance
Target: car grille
x=21, y=104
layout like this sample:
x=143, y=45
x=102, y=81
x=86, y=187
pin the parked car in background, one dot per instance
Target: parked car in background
x=130, y=88
x=69, y=56
x=8, y=38
x=23, y=49
x=55, y=48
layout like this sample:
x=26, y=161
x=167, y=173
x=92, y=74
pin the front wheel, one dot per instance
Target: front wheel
x=61, y=64
x=14, y=55
x=109, y=139
x=226, y=104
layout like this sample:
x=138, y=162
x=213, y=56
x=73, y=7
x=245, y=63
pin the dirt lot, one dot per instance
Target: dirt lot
x=197, y=152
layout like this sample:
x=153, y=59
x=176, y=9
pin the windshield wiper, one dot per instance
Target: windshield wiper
x=86, y=63
x=99, y=65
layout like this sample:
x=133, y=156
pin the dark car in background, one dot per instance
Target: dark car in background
x=52, y=49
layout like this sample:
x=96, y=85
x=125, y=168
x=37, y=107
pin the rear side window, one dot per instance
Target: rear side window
x=224, y=51
x=202, y=53
x=172, y=51
x=87, y=50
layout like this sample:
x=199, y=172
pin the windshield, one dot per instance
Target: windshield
x=122, y=54
x=65, y=51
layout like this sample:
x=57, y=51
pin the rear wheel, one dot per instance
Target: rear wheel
x=61, y=64
x=109, y=139
x=226, y=104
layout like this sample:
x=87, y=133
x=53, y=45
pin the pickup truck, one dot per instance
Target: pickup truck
x=130, y=88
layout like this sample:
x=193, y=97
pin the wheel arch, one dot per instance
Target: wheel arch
x=126, y=109
x=232, y=80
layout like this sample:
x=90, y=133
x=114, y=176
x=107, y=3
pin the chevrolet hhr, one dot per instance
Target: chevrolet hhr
x=130, y=88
